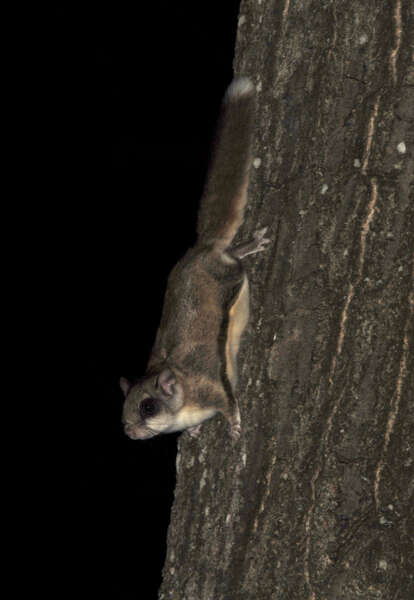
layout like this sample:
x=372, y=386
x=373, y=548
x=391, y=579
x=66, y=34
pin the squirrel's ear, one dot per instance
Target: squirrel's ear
x=124, y=385
x=166, y=381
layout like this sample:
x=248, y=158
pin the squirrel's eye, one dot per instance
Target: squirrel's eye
x=148, y=407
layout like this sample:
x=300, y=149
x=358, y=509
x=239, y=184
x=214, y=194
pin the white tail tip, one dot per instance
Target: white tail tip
x=242, y=86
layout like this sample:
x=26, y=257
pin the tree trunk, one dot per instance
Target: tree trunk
x=316, y=499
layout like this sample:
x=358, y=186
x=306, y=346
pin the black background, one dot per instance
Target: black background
x=135, y=96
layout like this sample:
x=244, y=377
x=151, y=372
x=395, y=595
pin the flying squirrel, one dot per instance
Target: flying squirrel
x=192, y=370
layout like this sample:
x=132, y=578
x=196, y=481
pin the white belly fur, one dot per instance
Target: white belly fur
x=190, y=416
x=238, y=318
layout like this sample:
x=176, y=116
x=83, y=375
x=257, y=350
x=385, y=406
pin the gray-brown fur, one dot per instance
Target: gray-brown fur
x=192, y=371
x=225, y=194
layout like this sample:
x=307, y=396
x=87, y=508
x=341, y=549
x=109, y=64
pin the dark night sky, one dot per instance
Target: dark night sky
x=136, y=94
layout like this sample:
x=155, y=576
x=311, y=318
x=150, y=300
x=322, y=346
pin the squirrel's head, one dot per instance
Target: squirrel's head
x=151, y=404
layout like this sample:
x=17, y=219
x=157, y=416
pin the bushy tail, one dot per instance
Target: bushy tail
x=225, y=193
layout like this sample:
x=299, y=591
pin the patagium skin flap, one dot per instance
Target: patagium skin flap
x=192, y=370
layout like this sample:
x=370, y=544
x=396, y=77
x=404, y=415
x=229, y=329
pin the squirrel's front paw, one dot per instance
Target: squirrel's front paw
x=194, y=431
x=235, y=431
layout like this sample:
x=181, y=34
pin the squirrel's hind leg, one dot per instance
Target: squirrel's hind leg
x=257, y=244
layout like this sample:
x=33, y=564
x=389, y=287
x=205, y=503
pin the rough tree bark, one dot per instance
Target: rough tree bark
x=316, y=499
